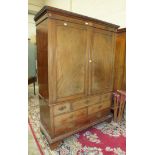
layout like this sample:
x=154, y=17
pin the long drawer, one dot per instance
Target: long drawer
x=72, y=125
x=70, y=121
x=70, y=117
x=66, y=127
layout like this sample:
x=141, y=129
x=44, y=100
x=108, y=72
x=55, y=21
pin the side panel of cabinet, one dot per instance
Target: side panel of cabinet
x=42, y=58
x=102, y=61
x=71, y=64
x=120, y=62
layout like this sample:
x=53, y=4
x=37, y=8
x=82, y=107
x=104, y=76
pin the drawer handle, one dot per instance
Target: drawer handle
x=86, y=23
x=62, y=108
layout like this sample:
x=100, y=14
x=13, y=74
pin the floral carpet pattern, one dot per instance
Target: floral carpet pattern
x=102, y=139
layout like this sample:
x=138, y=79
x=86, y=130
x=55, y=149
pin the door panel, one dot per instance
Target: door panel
x=102, y=61
x=71, y=44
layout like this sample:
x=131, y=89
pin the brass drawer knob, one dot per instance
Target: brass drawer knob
x=90, y=61
x=86, y=23
x=65, y=24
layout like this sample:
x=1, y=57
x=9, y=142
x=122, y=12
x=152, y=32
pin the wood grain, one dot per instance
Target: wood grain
x=62, y=108
x=71, y=55
x=75, y=71
x=51, y=11
x=120, y=60
x=98, y=107
x=102, y=61
x=42, y=55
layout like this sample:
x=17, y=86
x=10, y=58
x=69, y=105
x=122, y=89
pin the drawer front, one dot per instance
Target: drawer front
x=63, y=119
x=66, y=127
x=96, y=116
x=70, y=117
x=107, y=96
x=80, y=113
x=61, y=108
x=79, y=104
x=86, y=102
x=80, y=117
x=94, y=100
x=98, y=107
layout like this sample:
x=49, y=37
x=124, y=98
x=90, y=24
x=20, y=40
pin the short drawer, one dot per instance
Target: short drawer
x=98, y=107
x=61, y=108
x=70, y=117
x=107, y=96
x=94, y=100
x=79, y=104
x=86, y=102
x=100, y=114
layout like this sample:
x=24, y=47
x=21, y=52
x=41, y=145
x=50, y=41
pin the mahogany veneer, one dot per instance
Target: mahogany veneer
x=120, y=60
x=75, y=57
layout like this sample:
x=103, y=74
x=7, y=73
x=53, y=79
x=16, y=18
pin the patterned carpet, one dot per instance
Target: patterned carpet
x=33, y=149
x=102, y=139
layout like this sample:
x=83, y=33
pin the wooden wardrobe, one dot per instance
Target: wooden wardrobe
x=75, y=57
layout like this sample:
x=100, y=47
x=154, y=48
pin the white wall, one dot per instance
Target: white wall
x=61, y=4
x=31, y=28
x=33, y=7
x=112, y=11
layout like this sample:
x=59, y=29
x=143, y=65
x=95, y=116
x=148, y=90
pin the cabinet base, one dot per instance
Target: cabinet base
x=54, y=145
x=54, y=142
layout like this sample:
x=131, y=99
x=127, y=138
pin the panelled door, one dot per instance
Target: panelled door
x=102, y=61
x=71, y=64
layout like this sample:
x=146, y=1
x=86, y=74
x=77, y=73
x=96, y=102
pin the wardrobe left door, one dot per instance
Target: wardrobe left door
x=71, y=64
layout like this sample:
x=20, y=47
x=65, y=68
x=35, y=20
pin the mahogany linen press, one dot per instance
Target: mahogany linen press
x=75, y=59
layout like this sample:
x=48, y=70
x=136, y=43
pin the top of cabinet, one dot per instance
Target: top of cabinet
x=55, y=12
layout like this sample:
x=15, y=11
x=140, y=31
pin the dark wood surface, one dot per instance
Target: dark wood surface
x=70, y=14
x=102, y=61
x=53, y=142
x=42, y=55
x=121, y=30
x=75, y=71
x=70, y=59
x=58, y=14
x=120, y=60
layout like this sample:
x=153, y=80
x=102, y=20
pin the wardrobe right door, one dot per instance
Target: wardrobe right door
x=102, y=61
